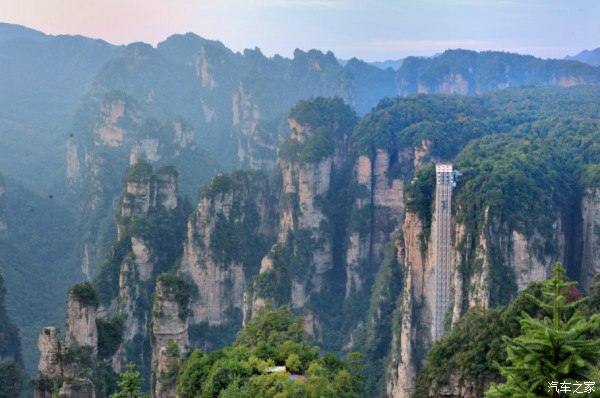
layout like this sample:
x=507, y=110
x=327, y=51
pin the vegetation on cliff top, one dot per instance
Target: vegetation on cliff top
x=85, y=293
x=325, y=121
x=273, y=338
x=560, y=348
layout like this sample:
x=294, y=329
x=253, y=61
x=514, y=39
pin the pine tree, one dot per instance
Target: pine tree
x=558, y=349
x=130, y=385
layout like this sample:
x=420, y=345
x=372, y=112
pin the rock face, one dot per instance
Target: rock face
x=77, y=388
x=417, y=309
x=81, y=323
x=590, y=214
x=511, y=256
x=105, y=142
x=232, y=227
x=170, y=340
x=50, y=348
x=150, y=224
x=60, y=362
x=306, y=183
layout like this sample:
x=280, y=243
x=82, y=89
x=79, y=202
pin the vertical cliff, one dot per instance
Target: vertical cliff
x=170, y=341
x=81, y=318
x=110, y=132
x=151, y=226
x=228, y=233
x=590, y=215
x=310, y=164
x=65, y=367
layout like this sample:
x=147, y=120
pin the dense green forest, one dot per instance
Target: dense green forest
x=273, y=338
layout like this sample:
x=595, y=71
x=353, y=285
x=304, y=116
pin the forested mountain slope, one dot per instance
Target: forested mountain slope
x=342, y=230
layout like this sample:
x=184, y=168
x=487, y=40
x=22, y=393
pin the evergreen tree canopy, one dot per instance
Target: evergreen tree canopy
x=130, y=385
x=557, y=350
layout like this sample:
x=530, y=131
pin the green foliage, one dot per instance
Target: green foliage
x=556, y=348
x=80, y=357
x=420, y=193
x=472, y=351
x=326, y=120
x=141, y=171
x=321, y=111
x=85, y=293
x=375, y=336
x=275, y=284
x=130, y=385
x=177, y=288
x=105, y=380
x=271, y=338
x=110, y=336
x=11, y=379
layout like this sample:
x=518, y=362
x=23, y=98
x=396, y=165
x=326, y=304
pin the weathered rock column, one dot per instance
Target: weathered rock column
x=170, y=339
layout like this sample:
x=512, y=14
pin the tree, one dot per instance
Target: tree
x=130, y=385
x=10, y=379
x=557, y=350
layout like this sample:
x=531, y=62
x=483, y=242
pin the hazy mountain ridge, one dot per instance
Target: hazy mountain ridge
x=590, y=57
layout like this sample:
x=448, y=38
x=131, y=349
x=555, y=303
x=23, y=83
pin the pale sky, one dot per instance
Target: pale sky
x=370, y=30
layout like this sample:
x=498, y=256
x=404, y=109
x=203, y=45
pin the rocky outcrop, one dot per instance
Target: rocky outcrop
x=378, y=209
x=257, y=144
x=306, y=184
x=60, y=368
x=232, y=227
x=493, y=253
x=81, y=322
x=417, y=306
x=50, y=348
x=590, y=214
x=77, y=388
x=112, y=132
x=170, y=341
x=140, y=254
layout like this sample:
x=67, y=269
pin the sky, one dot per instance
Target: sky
x=372, y=30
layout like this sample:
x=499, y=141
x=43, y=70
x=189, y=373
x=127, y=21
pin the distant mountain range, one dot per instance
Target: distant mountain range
x=587, y=57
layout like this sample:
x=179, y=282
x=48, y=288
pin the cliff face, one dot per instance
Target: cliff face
x=64, y=367
x=304, y=249
x=379, y=207
x=590, y=215
x=170, y=341
x=150, y=223
x=497, y=253
x=467, y=72
x=110, y=133
x=81, y=323
x=232, y=227
x=415, y=321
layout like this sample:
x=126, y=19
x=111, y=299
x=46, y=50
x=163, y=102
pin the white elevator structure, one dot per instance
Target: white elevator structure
x=444, y=248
